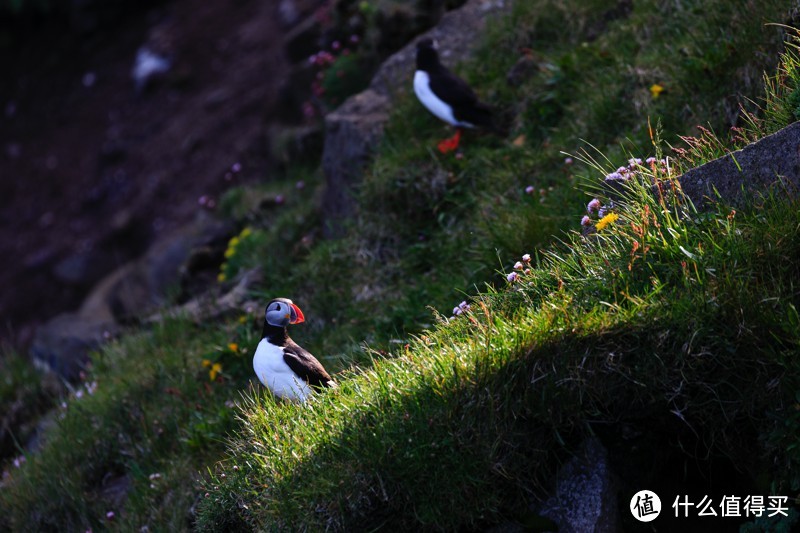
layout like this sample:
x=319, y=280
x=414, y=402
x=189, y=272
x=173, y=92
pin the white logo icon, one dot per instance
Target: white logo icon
x=645, y=505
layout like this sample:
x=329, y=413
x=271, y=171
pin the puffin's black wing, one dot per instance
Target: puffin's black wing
x=450, y=88
x=466, y=106
x=305, y=365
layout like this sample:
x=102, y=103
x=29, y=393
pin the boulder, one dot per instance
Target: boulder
x=63, y=344
x=585, y=496
x=771, y=163
x=132, y=291
x=352, y=132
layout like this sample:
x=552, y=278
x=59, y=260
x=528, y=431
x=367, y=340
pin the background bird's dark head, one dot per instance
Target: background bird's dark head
x=281, y=312
x=427, y=56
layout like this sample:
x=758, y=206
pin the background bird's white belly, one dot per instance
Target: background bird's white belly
x=275, y=374
x=431, y=101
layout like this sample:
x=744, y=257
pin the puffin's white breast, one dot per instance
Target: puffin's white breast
x=436, y=106
x=273, y=372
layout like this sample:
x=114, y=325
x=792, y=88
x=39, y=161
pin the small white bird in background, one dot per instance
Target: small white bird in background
x=147, y=66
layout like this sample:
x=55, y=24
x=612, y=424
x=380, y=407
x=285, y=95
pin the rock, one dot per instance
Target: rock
x=64, y=343
x=352, y=132
x=585, y=498
x=75, y=269
x=134, y=290
x=297, y=143
x=211, y=306
x=771, y=163
x=145, y=284
x=355, y=128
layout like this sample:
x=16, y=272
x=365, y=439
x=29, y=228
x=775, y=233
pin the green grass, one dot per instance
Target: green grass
x=24, y=396
x=468, y=424
x=459, y=424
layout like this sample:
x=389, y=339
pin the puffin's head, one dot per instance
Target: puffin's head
x=281, y=312
x=426, y=53
x=427, y=43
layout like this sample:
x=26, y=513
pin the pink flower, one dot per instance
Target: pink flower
x=586, y=221
x=529, y=189
x=526, y=258
x=518, y=265
x=512, y=277
x=568, y=161
x=593, y=206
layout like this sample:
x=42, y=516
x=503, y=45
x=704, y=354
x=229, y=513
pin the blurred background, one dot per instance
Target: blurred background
x=122, y=121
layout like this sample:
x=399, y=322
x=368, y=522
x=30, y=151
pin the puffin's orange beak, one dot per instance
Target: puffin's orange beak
x=300, y=317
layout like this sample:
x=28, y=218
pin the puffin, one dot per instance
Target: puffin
x=447, y=96
x=288, y=370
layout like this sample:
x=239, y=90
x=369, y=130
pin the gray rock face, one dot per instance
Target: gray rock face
x=62, y=344
x=774, y=161
x=352, y=132
x=585, y=498
x=130, y=292
x=355, y=128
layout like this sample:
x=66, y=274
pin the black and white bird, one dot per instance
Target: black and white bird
x=447, y=96
x=284, y=367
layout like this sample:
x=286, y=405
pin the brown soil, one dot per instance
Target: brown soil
x=91, y=173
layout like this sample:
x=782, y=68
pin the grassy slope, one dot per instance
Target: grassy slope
x=452, y=423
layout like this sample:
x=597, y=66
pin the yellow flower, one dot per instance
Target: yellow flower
x=605, y=221
x=206, y=363
x=221, y=277
x=229, y=253
x=656, y=90
x=245, y=233
x=233, y=347
x=243, y=319
x=215, y=369
x=234, y=242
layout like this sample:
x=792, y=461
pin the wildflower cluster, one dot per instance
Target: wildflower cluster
x=599, y=216
x=333, y=67
x=214, y=369
x=636, y=167
x=520, y=268
x=229, y=268
x=232, y=361
x=460, y=309
x=530, y=190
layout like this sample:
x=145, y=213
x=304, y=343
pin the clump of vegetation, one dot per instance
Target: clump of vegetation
x=653, y=320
